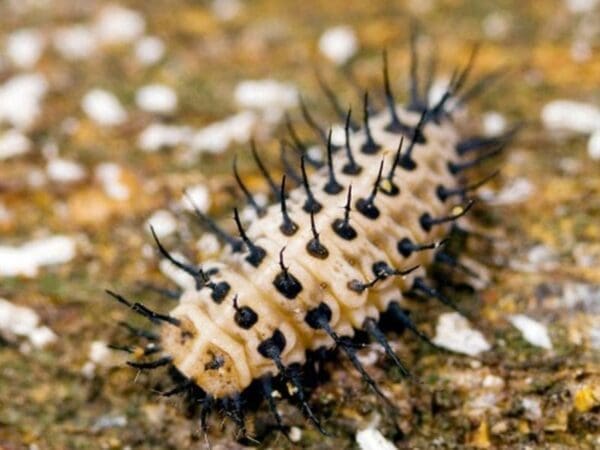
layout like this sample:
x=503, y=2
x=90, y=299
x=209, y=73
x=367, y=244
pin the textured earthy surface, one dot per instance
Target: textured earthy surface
x=45, y=401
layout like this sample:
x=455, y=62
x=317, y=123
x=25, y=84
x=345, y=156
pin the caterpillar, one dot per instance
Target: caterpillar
x=327, y=258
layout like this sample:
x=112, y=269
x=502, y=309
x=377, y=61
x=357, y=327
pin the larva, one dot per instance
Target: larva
x=327, y=258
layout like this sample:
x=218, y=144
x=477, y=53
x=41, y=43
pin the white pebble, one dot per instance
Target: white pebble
x=454, y=332
x=75, y=42
x=532, y=407
x=118, y=25
x=23, y=321
x=216, y=137
x=24, y=47
x=372, y=439
x=99, y=352
x=269, y=96
x=163, y=223
x=196, y=197
x=65, y=171
x=103, y=108
x=593, y=146
x=533, y=332
x=109, y=176
x=494, y=123
x=26, y=259
x=149, y=50
x=20, y=99
x=226, y=9
x=295, y=434
x=13, y=143
x=338, y=44
x=517, y=190
x=157, y=136
x=581, y=6
x=156, y=98
x=569, y=115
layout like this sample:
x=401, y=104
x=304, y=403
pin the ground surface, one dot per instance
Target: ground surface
x=544, y=263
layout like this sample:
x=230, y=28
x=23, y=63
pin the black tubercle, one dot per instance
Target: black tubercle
x=245, y=317
x=369, y=147
x=427, y=222
x=311, y=205
x=388, y=187
x=332, y=187
x=316, y=316
x=237, y=246
x=256, y=253
x=342, y=227
x=351, y=167
x=288, y=227
x=272, y=347
x=219, y=291
x=286, y=283
x=315, y=247
x=263, y=170
x=260, y=211
x=406, y=247
x=366, y=206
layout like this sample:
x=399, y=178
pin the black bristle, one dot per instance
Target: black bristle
x=312, y=123
x=245, y=317
x=342, y=227
x=152, y=364
x=444, y=193
x=288, y=227
x=286, y=283
x=311, y=205
x=334, y=101
x=350, y=168
x=427, y=222
x=260, y=211
x=456, y=168
x=256, y=254
x=389, y=187
x=144, y=310
x=406, y=247
x=406, y=161
x=366, y=206
x=287, y=166
x=315, y=247
x=419, y=285
x=263, y=170
x=372, y=328
x=369, y=147
x=332, y=187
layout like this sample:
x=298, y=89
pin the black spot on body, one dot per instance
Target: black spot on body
x=287, y=284
x=288, y=228
x=245, y=317
x=317, y=316
x=215, y=363
x=405, y=247
x=343, y=229
x=426, y=222
x=272, y=346
x=220, y=291
x=316, y=249
x=367, y=208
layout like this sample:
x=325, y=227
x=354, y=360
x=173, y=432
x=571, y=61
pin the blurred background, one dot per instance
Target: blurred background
x=108, y=110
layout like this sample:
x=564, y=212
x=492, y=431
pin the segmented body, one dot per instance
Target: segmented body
x=221, y=351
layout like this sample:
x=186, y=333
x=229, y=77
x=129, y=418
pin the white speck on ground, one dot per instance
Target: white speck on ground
x=149, y=50
x=516, y=190
x=158, y=135
x=103, y=108
x=24, y=47
x=594, y=337
x=569, y=115
x=108, y=421
x=27, y=258
x=109, y=176
x=581, y=6
x=454, y=332
x=65, y=171
x=22, y=321
x=226, y=9
x=269, y=96
x=13, y=143
x=295, y=434
x=216, y=137
x=372, y=439
x=494, y=123
x=338, y=44
x=156, y=98
x=75, y=42
x=163, y=222
x=118, y=25
x=532, y=407
x=5, y=214
x=581, y=51
x=533, y=332
x=593, y=146
x=496, y=25
x=196, y=197
x=20, y=99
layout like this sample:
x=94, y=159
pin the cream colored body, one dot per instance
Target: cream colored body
x=213, y=335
